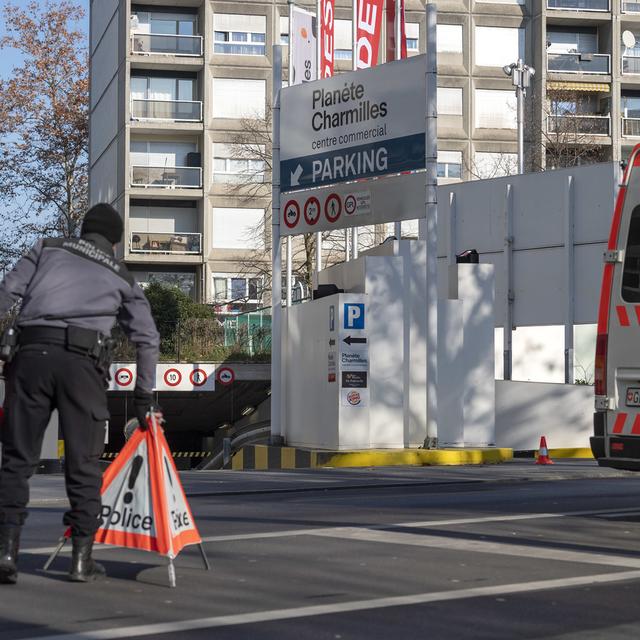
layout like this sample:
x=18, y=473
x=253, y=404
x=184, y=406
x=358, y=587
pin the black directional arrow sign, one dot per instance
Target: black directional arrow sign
x=349, y=340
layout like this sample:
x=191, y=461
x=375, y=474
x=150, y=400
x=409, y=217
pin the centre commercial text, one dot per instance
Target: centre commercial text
x=359, y=111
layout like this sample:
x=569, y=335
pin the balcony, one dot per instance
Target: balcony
x=171, y=243
x=584, y=125
x=166, y=177
x=166, y=44
x=631, y=127
x=593, y=63
x=630, y=65
x=174, y=110
x=630, y=7
x=579, y=5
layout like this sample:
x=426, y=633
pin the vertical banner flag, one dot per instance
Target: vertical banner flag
x=369, y=27
x=326, y=37
x=391, y=30
x=302, y=42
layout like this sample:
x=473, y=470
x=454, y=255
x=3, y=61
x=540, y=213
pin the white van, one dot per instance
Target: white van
x=616, y=421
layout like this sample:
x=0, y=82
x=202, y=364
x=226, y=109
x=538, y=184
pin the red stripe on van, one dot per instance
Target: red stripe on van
x=617, y=218
x=635, y=429
x=637, y=308
x=618, y=426
x=605, y=299
x=623, y=316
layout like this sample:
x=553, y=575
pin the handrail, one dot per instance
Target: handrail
x=171, y=243
x=173, y=116
x=582, y=62
x=168, y=177
x=138, y=37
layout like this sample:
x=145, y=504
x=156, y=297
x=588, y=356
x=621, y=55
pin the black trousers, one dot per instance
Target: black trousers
x=39, y=379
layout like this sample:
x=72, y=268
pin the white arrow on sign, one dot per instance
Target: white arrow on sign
x=295, y=176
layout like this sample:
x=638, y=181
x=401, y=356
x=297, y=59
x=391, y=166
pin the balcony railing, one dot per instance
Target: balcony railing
x=180, y=110
x=166, y=177
x=578, y=62
x=631, y=127
x=630, y=7
x=166, y=44
x=630, y=64
x=585, y=125
x=174, y=243
x=579, y=5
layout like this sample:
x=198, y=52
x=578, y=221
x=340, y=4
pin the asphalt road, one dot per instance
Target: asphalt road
x=513, y=551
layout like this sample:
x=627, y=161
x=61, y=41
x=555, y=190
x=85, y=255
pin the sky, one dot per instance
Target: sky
x=9, y=58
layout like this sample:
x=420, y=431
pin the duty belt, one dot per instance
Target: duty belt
x=85, y=341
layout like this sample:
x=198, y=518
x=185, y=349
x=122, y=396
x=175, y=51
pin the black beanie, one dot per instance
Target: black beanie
x=102, y=218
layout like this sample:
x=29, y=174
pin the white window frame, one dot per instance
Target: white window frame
x=442, y=92
x=444, y=42
x=485, y=56
x=222, y=151
x=507, y=97
x=228, y=298
x=260, y=113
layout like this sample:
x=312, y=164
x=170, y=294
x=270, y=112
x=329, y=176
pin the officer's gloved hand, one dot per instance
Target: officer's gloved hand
x=144, y=404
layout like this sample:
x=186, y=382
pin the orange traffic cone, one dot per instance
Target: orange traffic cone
x=543, y=452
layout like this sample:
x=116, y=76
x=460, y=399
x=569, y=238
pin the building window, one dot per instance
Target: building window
x=239, y=98
x=183, y=280
x=343, y=40
x=450, y=164
x=495, y=109
x=229, y=288
x=232, y=163
x=449, y=38
x=239, y=35
x=412, y=32
x=572, y=40
x=284, y=30
x=238, y=228
x=503, y=1
x=493, y=165
x=449, y=101
x=498, y=46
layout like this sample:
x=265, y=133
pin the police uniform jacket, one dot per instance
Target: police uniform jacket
x=78, y=282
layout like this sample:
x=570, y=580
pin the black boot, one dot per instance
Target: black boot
x=83, y=567
x=9, y=544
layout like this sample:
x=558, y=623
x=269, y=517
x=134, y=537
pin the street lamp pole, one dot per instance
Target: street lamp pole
x=521, y=75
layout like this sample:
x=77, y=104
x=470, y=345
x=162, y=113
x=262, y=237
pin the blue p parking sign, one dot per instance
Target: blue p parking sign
x=353, y=316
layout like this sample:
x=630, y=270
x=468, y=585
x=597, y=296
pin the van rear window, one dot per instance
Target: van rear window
x=631, y=273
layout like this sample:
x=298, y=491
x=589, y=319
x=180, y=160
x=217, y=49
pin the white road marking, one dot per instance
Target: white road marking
x=182, y=626
x=481, y=546
x=287, y=533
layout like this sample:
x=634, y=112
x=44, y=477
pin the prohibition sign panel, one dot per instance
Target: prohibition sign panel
x=312, y=210
x=198, y=377
x=123, y=377
x=172, y=377
x=350, y=204
x=333, y=207
x=291, y=214
x=226, y=375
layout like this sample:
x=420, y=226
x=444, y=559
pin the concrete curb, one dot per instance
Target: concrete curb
x=263, y=457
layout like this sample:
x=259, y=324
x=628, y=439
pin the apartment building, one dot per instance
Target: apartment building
x=175, y=82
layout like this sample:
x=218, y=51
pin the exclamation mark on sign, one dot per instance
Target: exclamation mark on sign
x=166, y=464
x=136, y=465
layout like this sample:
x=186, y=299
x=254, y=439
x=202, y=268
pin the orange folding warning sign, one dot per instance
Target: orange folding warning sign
x=143, y=503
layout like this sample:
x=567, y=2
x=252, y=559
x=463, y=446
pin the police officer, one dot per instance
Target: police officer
x=72, y=293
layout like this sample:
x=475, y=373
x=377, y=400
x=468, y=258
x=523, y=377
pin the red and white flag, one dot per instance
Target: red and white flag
x=326, y=10
x=391, y=30
x=368, y=30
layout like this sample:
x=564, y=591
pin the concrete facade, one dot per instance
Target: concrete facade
x=167, y=162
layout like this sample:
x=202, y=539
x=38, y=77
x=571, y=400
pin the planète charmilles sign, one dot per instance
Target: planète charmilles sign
x=357, y=125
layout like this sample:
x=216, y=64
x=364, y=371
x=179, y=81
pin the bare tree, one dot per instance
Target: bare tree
x=43, y=124
x=253, y=144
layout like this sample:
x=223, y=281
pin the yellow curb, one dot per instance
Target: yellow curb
x=380, y=458
x=237, y=462
x=576, y=452
x=288, y=458
x=261, y=457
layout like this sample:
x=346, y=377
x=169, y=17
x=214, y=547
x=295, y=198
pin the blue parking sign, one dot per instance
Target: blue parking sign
x=353, y=316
